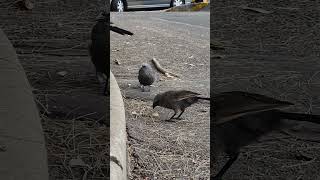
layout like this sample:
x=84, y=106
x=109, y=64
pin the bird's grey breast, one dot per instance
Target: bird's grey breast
x=146, y=75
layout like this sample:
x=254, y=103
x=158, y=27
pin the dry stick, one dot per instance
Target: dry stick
x=161, y=69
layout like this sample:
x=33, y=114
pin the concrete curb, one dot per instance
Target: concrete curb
x=188, y=7
x=118, y=134
x=22, y=147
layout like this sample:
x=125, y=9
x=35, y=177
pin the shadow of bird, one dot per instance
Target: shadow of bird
x=240, y=118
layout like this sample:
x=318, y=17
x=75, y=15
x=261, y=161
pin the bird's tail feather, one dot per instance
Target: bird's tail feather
x=204, y=98
x=120, y=31
x=300, y=117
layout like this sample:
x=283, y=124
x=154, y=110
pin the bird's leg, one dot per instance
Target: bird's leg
x=106, y=88
x=224, y=169
x=173, y=115
x=149, y=89
x=142, y=88
x=182, y=111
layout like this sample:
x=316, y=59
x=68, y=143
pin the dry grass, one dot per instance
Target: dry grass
x=165, y=150
x=277, y=55
x=49, y=39
x=69, y=140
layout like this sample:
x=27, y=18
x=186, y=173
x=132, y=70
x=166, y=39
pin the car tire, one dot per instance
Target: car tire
x=177, y=3
x=118, y=5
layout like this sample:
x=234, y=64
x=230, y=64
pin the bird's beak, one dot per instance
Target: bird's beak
x=154, y=105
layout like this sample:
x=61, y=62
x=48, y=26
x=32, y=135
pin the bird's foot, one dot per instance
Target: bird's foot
x=170, y=120
x=177, y=118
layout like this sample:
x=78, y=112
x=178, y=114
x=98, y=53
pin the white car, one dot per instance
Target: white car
x=123, y=5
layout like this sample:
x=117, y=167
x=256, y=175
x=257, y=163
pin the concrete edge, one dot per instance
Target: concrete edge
x=118, y=134
x=23, y=154
x=188, y=7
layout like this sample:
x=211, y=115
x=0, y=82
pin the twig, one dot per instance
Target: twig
x=300, y=164
x=161, y=69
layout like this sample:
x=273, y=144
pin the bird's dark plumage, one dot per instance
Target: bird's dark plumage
x=100, y=50
x=146, y=75
x=177, y=100
x=99, y=47
x=241, y=118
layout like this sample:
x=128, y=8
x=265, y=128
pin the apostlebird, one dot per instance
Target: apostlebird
x=240, y=118
x=146, y=75
x=177, y=100
x=99, y=47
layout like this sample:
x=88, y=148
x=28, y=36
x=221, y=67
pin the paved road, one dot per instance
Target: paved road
x=199, y=19
x=180, y=42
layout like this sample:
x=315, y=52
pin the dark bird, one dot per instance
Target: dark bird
x=240, y=118
x=177, y=100
x=99, y=47
x=146, y=75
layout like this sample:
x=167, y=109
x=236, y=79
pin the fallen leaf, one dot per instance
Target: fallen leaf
x=3, y=148
x=77, y=162
x=117, y=61
x=155, y=114
x=259, y=10
x=59, y=24
x=62, y=73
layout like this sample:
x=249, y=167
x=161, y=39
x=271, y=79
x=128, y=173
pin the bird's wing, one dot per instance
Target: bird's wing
x=181, y=95
x=235, y=104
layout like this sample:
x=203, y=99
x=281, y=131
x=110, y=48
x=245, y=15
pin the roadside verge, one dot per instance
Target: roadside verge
x=22, y=146
x=118, y=135
x=189, y=7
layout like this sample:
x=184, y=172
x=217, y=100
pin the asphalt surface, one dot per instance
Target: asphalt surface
x=180, y=42
x=198, y=19
x=182, y=46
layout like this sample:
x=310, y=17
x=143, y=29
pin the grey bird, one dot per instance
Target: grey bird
x=241, y=118
x=146, y=75
x=99, y=47
x=177, y=101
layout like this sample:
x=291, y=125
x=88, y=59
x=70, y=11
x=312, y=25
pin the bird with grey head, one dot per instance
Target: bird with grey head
x=146, y=76
x=241, y=118
x=178, y=101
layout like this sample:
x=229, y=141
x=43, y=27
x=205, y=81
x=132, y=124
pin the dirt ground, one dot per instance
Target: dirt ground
x=51, y=43
x=159, y=149
x=276, y=54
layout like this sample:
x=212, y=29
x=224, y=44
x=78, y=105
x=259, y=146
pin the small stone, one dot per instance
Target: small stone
x=155, y=114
